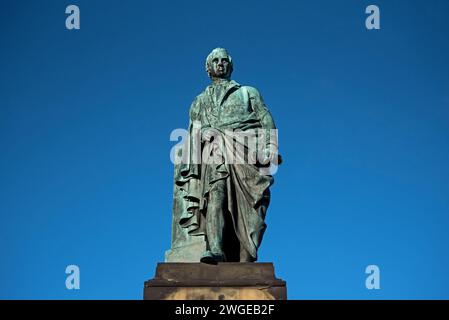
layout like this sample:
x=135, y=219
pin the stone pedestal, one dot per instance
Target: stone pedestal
x=224, y=281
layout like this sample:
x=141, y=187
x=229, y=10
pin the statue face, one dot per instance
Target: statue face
x=220, y=66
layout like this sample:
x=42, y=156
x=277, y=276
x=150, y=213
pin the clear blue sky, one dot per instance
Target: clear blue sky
x=86, y=115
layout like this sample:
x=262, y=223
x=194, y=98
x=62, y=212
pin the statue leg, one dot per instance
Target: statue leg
x=215, y=222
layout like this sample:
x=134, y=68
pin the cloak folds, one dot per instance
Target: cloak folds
x=204, y=163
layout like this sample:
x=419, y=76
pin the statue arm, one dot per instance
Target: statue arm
x=190, y=166
x=260, y=109
x=266, y=121
x=194, y=112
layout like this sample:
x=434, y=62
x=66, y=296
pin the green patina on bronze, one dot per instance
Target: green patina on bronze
x=219, y=209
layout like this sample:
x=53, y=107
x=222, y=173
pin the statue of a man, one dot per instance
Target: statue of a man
x=226, y=201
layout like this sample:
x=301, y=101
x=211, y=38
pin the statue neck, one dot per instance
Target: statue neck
x=220, y=81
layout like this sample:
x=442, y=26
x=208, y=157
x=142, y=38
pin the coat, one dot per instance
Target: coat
x=236, y=108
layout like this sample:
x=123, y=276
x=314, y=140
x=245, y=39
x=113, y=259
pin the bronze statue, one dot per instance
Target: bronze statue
x=221, y=201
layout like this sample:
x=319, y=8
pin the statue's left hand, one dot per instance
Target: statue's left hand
x=273, y=157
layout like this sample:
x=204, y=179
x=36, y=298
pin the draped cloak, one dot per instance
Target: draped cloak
x=236, y=108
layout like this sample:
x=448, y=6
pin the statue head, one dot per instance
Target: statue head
x=219, y=64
